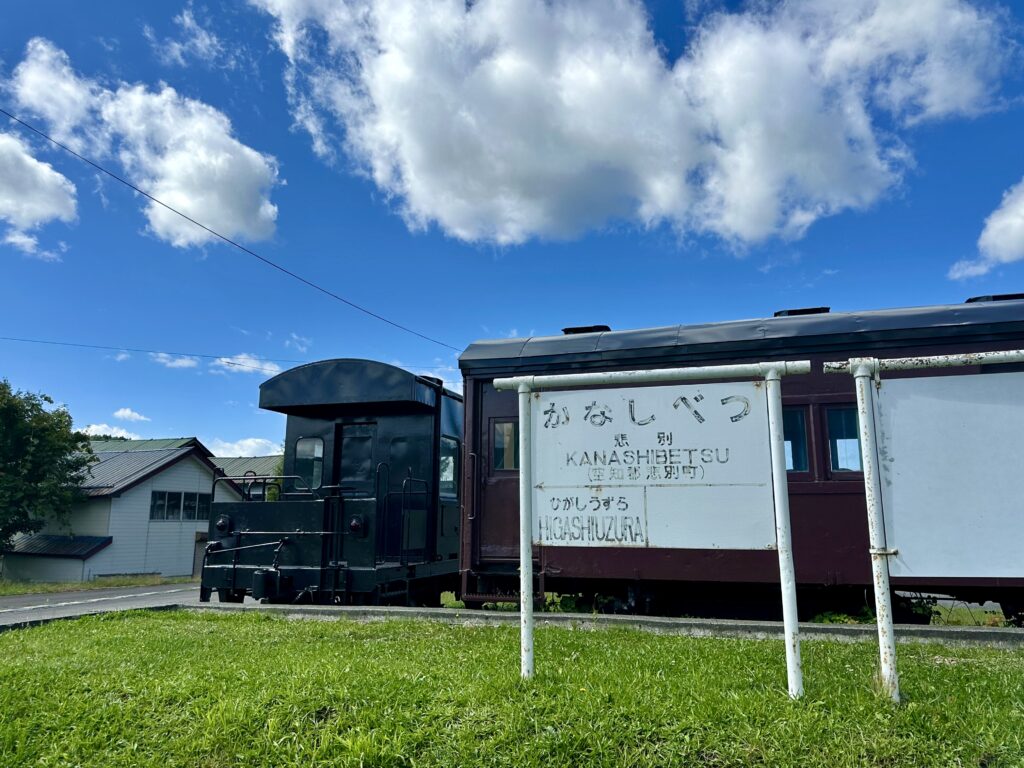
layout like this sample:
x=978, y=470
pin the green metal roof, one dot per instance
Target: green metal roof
x=238, y=466
x=159, y=444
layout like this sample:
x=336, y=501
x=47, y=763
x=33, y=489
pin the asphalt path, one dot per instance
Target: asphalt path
x=25, y=610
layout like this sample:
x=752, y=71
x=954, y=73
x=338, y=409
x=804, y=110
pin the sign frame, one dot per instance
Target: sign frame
x=771, y=373
x=866, y=372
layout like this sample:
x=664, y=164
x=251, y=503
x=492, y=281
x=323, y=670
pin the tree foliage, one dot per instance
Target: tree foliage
x=42, y=462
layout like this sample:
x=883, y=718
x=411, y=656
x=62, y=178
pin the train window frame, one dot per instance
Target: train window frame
x=315, y=478
x=442, y=490
x=804, y=410
x=492, y=448
x=830, y=468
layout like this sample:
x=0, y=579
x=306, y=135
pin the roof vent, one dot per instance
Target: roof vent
x=995, y=297
x=803, y=311
x=585, y=329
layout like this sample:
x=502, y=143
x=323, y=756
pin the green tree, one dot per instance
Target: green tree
x=42, y=462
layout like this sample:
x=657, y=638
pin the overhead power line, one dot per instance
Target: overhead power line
x=226, y=239
x=222, y=359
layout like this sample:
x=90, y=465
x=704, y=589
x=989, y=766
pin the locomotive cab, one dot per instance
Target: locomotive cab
x=367, y=508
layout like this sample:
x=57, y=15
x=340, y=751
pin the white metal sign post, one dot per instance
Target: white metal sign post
x=678, y=466
x=947, y=442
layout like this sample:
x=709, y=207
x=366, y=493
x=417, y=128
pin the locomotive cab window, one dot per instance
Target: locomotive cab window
x=309, y=460
x=794, y=433
x=448, y=479
x=505, y=448
x=843, y=439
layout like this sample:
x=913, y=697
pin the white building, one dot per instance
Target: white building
x=147, y=512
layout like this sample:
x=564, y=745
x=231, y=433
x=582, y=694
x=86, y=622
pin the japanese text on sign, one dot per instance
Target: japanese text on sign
x=684, y=466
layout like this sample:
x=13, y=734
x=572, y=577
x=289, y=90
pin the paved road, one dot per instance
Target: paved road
x=22, y=610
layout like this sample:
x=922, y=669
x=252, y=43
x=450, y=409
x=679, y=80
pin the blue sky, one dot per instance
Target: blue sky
x=504, y=170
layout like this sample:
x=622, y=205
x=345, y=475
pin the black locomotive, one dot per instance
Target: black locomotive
x=367, y=509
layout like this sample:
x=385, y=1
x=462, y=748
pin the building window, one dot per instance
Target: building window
x=448, y=482
x=309, y=460
x=794, y=433
x=843, y=439
x=175, y=505
x=505, y=453
x=158, y=506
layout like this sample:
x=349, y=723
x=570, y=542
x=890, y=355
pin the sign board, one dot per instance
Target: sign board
x=952, y=474
x=684, y=466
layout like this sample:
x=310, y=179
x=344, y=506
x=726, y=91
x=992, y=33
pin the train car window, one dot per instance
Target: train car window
x=843, y=439
x=794, y=433
x=448, y=482
x=309, y=460
x=505, y=450
x=158, y=506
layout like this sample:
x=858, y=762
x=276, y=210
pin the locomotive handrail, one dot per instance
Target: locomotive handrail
x=278, y=543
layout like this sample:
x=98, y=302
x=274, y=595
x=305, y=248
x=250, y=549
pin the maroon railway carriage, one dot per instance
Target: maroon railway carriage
x=826, y=486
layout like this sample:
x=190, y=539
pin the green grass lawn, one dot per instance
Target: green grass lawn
x=8, y=588
x=190, y=689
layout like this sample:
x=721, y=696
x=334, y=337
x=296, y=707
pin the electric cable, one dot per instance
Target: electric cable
x=226, y=239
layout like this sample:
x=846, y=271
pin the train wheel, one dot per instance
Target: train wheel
x=230, y=596
x=1013, y=612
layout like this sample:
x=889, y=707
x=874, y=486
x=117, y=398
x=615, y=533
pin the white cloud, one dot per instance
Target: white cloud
x=245, y=363
x=120, y=357
x=1002, y=239
x=506, y=120
x=127, y=414
x=195, y=42
x=298, y=343
x=174, y=361
x=247, y=446
x=178, y=149
x=106, y=429
x=32, y=194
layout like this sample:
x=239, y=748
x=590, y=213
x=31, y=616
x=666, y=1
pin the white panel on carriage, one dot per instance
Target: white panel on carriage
x=952, y=475
x=682, y=466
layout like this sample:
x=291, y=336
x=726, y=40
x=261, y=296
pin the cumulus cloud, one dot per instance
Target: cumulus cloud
x=501, y=121
x=245, y=363
x=127, y=414
x=178, y=149
x=106, y=429
x=194, y=42
x=32, y=194
x=173, y=361
x=247, y=446
x=1002, y=239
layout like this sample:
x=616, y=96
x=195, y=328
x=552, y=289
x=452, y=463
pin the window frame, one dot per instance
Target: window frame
x=830, y=471
x=323, y=450
x=456, y=456
x=809, y=442
x=492, y=445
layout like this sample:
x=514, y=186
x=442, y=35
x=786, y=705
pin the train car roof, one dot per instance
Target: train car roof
x=316, y=388
x=803, y=330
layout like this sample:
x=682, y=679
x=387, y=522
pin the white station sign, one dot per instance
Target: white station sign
x=952, y=474
x=682, y=466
